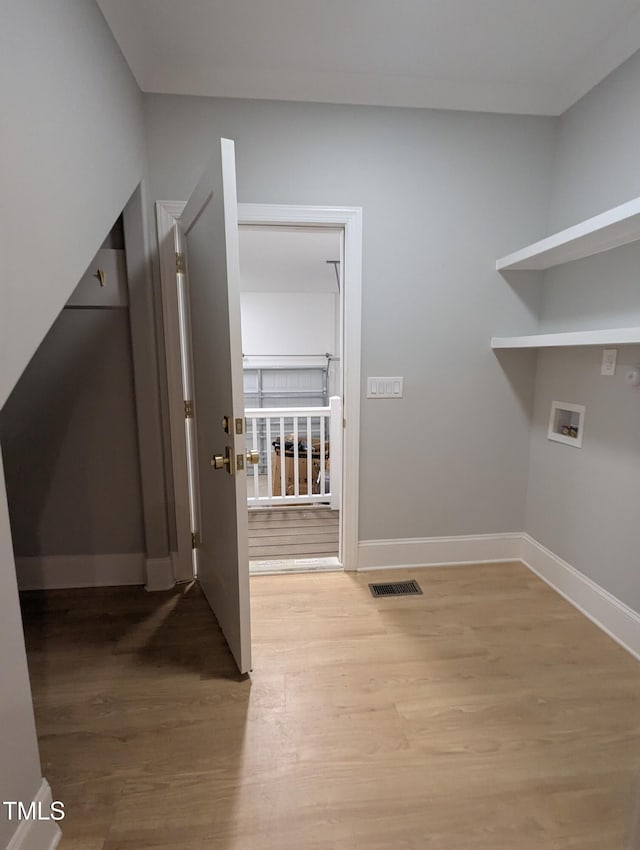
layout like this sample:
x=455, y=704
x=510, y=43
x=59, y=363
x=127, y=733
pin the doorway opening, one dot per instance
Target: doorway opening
x=290, y=294
x=348, y=221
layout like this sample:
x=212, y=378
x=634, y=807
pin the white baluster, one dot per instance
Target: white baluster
x=335, y=451
x=322, y=440
x=283, y=460
x=269, y=460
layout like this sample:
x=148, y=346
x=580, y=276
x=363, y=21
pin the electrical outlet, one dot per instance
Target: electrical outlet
x=609, y=357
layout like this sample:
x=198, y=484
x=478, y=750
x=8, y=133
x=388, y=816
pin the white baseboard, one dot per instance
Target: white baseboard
x=438, y=551
x=37, y=834
x=160, y=574
x=59, y=571
x=608, y=613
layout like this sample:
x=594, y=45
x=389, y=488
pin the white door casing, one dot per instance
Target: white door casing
x=350, y=220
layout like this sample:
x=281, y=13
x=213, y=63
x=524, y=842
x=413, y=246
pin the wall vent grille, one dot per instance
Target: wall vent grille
x=395, y=588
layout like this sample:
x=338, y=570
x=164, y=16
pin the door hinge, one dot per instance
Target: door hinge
x=180, y=263
x=195, y=539
x=188, y=409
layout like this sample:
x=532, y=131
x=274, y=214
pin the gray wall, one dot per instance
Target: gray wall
x=68, y=436
x=596, y=292
x=72, y=153
x=20, y=774
x=596, y=159
x=443, y=194
x=583, y=504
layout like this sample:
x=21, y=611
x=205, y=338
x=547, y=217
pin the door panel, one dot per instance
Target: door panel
x=209, y=236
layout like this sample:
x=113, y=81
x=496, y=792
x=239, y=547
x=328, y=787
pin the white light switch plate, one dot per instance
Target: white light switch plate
x=609, y=357
x=384, y=387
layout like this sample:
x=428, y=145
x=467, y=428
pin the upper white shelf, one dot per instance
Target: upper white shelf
x=610, y=229
x=608, y=336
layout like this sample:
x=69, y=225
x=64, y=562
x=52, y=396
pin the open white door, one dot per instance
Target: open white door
x=208, y=232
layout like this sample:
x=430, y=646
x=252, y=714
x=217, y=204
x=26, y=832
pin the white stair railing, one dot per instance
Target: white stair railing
x=300, y=451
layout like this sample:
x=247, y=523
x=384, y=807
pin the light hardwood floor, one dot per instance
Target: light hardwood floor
x=292, y=532
x=486, y=714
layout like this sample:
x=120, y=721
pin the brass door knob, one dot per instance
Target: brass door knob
x=217, y=461
x=224, y=461
x=253, y=456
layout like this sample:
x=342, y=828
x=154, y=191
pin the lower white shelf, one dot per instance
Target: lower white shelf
x=605, y=336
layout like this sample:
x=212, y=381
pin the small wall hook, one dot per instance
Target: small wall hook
x=101, y=276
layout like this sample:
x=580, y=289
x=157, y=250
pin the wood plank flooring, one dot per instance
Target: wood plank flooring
x=281, y=533
x=487, y=714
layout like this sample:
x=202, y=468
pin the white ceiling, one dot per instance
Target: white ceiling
x=522, y=56
x=288, y=259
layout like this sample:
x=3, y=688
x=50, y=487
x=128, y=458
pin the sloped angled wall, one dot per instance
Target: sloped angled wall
x=71, y=154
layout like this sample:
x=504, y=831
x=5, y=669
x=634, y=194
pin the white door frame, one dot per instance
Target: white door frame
x=350, y=220
x=167, y=215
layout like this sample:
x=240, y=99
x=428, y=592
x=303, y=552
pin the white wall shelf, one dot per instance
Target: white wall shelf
x=609, y=336
x=609, y=229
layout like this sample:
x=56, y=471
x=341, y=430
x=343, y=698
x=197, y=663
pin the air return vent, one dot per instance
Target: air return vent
x=396, y=588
